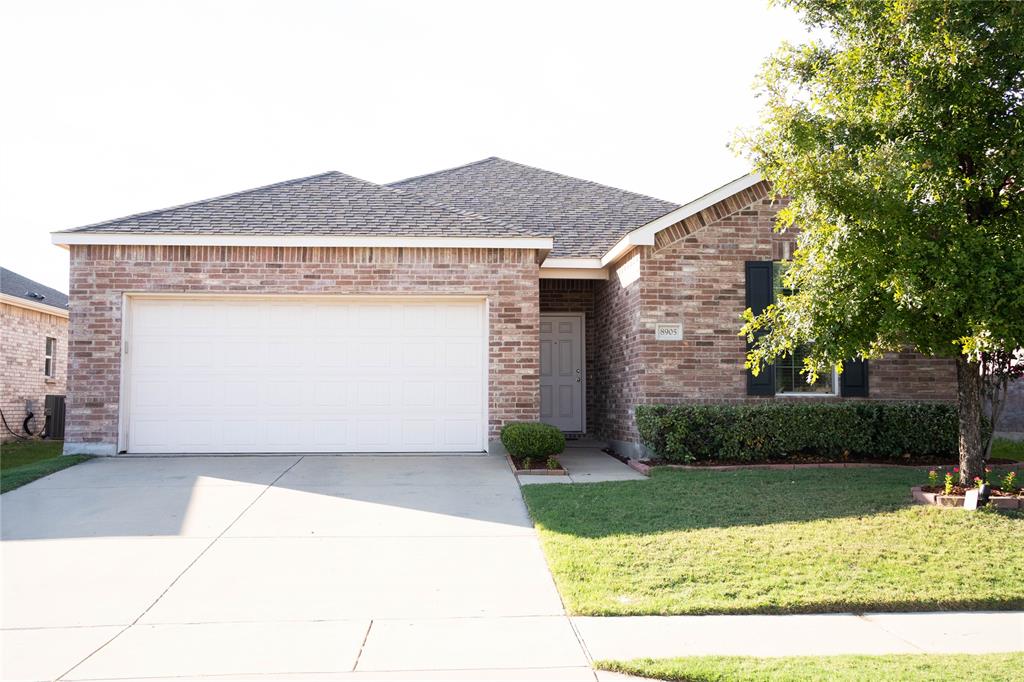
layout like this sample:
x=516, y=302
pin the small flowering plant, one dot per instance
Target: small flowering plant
x=1009, y=482
x=933, y=477
x=947, y=487
x=979, y=481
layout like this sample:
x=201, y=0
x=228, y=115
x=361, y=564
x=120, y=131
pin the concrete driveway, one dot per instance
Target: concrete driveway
x=374, y=567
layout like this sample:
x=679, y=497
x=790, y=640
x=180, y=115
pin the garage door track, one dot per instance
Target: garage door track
x=298, y=567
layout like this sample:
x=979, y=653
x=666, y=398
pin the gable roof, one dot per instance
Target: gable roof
x=328, y=204
x=16, y=286
x=585, y=218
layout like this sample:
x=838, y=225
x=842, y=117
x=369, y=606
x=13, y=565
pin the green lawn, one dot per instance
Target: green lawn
x=839, y=668
x=1008, y=450
x=749, y=541
x=22, y=462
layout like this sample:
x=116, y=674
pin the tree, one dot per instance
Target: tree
x=898, y=136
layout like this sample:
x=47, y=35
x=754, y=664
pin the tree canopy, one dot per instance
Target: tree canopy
x=897, y=135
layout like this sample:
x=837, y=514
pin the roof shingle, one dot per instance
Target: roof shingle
x=13, y=284
x=585, y=218
x=489, y=198
x=327, y=204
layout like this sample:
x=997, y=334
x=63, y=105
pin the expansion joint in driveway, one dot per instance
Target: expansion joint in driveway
x=362, y=646
x=183, y=571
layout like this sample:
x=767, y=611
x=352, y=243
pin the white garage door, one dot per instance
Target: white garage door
x=301, y=375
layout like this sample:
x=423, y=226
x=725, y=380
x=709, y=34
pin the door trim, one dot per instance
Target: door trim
x=583, y=361
x=128, y=297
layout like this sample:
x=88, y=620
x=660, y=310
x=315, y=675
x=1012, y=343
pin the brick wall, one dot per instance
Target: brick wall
x=577, y=296
x=617, y=332
x=695, y=274
x=23, y=335
x=100, y=274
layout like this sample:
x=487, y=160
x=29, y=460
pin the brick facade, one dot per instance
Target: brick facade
x=617, y=313
x=694, y=274
x=23, y=335
x=101, y=274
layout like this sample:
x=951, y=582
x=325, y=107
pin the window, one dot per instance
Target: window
x=789, y=380
x=50, y=363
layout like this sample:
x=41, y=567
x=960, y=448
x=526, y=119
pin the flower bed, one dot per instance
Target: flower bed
x=941, y=491
x=935, y=495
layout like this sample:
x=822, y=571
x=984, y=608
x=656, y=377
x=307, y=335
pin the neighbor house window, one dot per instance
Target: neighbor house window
x=789, y=379
x=50, y=364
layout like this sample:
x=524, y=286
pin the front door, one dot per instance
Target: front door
x=561, y=371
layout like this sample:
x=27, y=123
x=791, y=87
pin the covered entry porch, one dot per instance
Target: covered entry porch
x=569, y=374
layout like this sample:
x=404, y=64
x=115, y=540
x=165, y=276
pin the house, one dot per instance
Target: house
x=34, y=348
x=331, y=314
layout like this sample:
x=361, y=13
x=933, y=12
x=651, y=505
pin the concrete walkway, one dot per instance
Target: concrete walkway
x=798, y=635
x=586, y=464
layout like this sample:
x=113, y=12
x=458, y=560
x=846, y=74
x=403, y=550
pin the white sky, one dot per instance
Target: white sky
x=111, y=108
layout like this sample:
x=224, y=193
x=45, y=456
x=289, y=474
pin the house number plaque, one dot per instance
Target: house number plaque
x=668, y=332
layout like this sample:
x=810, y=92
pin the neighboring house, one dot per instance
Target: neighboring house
x=331, y=314
x=34, y=348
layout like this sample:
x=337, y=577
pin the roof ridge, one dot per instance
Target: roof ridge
x=283, y=183
x=589, y=182
x=443, y=170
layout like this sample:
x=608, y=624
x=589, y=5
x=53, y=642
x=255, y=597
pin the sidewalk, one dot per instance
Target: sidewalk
x=624, y=638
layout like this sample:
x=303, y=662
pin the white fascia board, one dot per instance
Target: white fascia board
x=573, y=273
x=32, y=305
x=644, y=236
x=76, y=238
x=572, y=263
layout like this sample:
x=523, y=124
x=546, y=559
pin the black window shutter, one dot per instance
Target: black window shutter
x=759, y=297
x=853, y=382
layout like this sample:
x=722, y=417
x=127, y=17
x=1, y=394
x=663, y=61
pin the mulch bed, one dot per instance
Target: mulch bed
x=538, y=465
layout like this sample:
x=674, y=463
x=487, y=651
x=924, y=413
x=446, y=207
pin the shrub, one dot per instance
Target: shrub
x=774, y=430
x=532, y=439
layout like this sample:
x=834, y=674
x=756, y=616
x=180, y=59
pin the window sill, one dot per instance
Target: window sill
x=806, y=395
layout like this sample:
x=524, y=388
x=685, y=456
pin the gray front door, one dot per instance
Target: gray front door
x=561, y=371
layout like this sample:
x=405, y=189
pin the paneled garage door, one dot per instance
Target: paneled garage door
x=209, y=375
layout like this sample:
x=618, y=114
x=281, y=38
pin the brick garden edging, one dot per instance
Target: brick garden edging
x=953, y=501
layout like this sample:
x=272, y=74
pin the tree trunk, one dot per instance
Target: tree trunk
x=972, y=453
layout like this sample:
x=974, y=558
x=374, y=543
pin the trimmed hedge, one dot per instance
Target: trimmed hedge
x=772, y=431
x=532, y=439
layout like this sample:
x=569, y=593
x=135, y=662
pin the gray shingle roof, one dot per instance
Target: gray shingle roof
x=488, y=198
x=585, y=218
x=326, y=204
x=13, y=284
